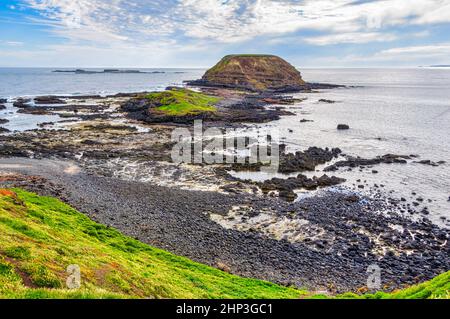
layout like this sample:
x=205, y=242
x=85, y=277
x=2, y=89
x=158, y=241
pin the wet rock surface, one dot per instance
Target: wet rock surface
x=327, y=101
x=430, y=163
x=286, y=186
x=343, y=127
x=235, y=109
x=22, y=103
x=48, y=100
x=357, y=161
x=337, y=235
x=306, y=160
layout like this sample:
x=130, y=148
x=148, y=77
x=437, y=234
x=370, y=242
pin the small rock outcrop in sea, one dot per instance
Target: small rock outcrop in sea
x=254, y=73
x=48, y=100
x=22, y=102
x=343, y=127
x=327, y=101
x=357, y=161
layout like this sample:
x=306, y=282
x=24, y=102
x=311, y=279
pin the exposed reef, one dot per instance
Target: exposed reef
x=183, y=106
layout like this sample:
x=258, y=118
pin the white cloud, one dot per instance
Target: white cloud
x=352, y=37
x=152, y=32
x=13, y=43
x=234, y=20
x=437, y=49
x=399, y=56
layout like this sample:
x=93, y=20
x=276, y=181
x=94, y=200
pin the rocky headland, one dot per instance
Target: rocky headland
x=256, y=73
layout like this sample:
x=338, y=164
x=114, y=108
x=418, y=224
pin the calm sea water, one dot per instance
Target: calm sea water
x=41, y=81
x=401, y=111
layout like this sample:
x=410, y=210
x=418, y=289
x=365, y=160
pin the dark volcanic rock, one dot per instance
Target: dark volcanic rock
x=3, y=121
x=307, y=160
x=327, y=101
x=357, y=161
x=2, y=107
x=4, y=130
x=343, y=127
x=2, y=101
x=296, y=162
x=33, y=111
x=286, y=187
x=245, y=109
x=22, y=103
x=48, y=100
x=430, y=163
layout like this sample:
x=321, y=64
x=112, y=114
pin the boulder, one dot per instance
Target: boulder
x=22, y=103
x=343, y=127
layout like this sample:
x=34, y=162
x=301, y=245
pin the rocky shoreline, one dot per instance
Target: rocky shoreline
x=324, y=243
x=110, y=157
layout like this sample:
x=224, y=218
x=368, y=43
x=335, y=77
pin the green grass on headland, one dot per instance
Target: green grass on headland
x=41, y=236
x=437, y=288
x=181, y=102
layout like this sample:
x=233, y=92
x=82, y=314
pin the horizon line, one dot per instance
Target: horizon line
x=207, y=67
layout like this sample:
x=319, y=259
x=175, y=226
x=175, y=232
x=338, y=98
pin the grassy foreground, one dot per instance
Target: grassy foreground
x=41, y=236
x=437, y=288
x=181, y=102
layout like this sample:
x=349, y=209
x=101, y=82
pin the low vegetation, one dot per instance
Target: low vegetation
x=41, y=237
x=437, y=288
x=180, y=102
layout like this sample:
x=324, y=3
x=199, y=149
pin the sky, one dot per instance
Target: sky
x=197, y=33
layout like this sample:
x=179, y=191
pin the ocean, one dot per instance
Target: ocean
x=399, y=111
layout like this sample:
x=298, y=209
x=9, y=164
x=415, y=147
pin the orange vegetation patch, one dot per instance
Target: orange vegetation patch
x=8, y=193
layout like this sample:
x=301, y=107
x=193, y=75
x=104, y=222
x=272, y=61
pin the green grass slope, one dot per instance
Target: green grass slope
x=41, y=236
x=180, y=102
x=437, y=288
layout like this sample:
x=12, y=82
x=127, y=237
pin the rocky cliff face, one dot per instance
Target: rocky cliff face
x=254, y=73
